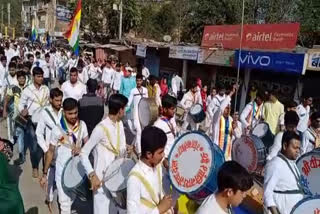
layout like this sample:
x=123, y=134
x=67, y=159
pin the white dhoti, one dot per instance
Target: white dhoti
x=137, y=125
x=102, y=202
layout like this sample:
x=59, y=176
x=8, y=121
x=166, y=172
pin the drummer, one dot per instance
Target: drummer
x=282, y=187
x=252, y=113
x=311, y=137
x=50, y=116
x=67, y=138
x=222, y=126
x=166, y=122
x=189, y=99
x=233, y=183
x=144, y=190
x=107, y=142
x=135, y=96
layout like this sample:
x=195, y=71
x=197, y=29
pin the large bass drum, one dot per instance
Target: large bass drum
x=194, y=162
x=148, y=111
x=263, y=132
x=307, y=205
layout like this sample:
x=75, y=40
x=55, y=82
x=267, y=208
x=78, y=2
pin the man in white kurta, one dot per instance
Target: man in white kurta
x=108, y=142
x=135, y=96
x=311, y=137
x=116, y=80
x=50, y=116
x=303, y=111
x=216, y=102
x=282, y=188
x=189, y=99
x=73, y=88
x=252, y=113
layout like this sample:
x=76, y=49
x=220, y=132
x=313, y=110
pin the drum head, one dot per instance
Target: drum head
x=308, y=165
x=307, y=205
x=195, y=109
x=245, y=151
x=260, y=130
x=117, y=174
x=147, y=111
x=192, y=162
x=73, y=174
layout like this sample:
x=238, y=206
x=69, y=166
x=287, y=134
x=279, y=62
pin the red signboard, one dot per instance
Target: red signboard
x=262, y=36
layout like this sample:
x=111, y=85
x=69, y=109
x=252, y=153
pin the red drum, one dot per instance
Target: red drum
x=193, y=165
x=250, y=152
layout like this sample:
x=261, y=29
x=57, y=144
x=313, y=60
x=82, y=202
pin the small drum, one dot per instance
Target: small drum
x=263, y=132
x=250, y=152
x=194, y=161
x=180, y=113
x=307, y=205
x=197, y=114
x=75, y=181
x=309, y=167
x=148, y=111
x=115, y=180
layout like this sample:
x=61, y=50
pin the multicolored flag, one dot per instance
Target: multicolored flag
x=74, y=30
x=34, y=33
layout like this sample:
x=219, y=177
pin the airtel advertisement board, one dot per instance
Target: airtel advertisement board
x=260, y=36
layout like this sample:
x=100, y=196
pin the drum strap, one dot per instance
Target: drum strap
x=150, y=204
x=51, y=117
x=40, y=101
x=114, y=150
x=172, y=131
x=296, y=175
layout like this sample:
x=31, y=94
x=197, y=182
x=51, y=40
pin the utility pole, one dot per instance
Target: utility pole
x=120, y=20
x=2, y=13
x=9, y=8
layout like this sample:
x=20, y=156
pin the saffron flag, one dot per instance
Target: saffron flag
x=34, y=33
x=74, y=30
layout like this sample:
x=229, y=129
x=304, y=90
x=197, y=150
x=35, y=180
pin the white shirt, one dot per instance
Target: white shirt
x=247, y=112
x=308, y=141
x=45, y=126
x=189, y=99
x=71, y=63
x=94, y=72
x=2, y=75
x=63, y=152
x=116, y=81
x=276, y=146
x=107, y=74
x=170, y=132
x=304, y=114
x=75, y=91
x=83, y=76
x=136, y=190
x=210, y=204
x=176, y=82
x=215, y=104
x=47, y=69
x=98, y=142
x=279, y=177
x=10, y=81
x=135, y=97
x=145, y=73
x=34, y=98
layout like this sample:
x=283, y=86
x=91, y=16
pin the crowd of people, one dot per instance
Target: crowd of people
x=59, y=121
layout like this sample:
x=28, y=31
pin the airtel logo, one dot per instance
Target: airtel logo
x=255, y=60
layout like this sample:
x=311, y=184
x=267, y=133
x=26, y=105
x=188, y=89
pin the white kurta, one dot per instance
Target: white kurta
x=107, y=74
x=94, y=72
x=189, y=99
x=116, y=81
x=75, y=91
x=279, y=177
x=276, y=146
x=210, y=204
x=247, y=112
x=136, y=190
x=63, y=154
x=215, y=104
x=304, y=114
x=134, y=98
x=308, y=141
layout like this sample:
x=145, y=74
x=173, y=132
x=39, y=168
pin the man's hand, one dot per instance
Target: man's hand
x=95, y=182
x=165, y=204
x=44, y=182
x=130, y=149
x=76, y=151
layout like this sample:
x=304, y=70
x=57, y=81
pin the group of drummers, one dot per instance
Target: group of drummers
x=206, y=164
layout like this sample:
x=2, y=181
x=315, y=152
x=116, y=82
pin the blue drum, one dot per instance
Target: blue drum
x=309, y=167
x=194, y=162
x=307, y=205
x=197, y=114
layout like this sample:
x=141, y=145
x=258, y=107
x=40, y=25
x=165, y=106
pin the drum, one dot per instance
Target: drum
x=148, y=111
x=197, y=114
x=74, y=180
x=263, y=132
x=253, y=202
x=309, y=167
x=307, y=205
x=250, y=152
x=21, y=121
x=180, y=113
x=115, y=180
x=194, y=161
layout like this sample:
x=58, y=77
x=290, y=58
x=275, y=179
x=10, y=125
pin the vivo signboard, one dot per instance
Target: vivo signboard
x=281, y=62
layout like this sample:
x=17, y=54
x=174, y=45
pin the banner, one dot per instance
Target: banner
x=184, y=52
x=141, y=51
x=63, y=13
x=314, y=60
x=216, y=57
x=274, y=61
x=260, y=36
